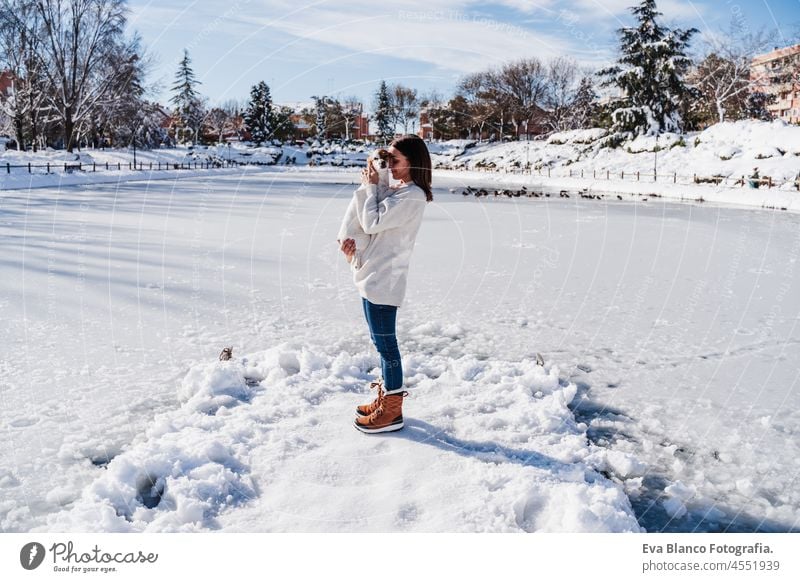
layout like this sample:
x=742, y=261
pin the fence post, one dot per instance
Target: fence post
x=151, y=166
x=119, y=166
x=742, y=181
x=48, y=167
x=106, y=166
x=769, y=181
x=622, y=174
x=608, y=174
x=29, y=167
x=675, y=177
x=570, y=172
x=8, y=168
x=65, y=166
x=594, y=173
x=94, y=167
x=581, y=173
x=548, y=171
x=637, y=175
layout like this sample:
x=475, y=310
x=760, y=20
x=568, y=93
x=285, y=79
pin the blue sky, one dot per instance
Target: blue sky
x=306, y=47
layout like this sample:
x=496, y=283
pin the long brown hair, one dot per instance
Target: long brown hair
x=414, y=148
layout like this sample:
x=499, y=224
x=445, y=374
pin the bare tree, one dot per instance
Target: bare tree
x=477, y=92
x=352, y=108
x=120, y=110
x=560, y=92
x=723, y=77
x=405, y=104
x=519, y=89
x=217, y=122
x=80, y=39
x=432, y=103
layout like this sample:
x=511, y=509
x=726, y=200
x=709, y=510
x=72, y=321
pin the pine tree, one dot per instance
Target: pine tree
x=650, y=75
x=757, y=106
x=187, y=101
x=383, y=112
x=320, y=116
x=583, y=107
x=259, y=116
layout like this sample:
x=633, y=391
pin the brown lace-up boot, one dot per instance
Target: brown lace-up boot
x=386, y=418
x=367, y=409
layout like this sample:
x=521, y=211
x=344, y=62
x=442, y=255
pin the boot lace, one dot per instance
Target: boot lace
x=379, y=386
x=379, y=411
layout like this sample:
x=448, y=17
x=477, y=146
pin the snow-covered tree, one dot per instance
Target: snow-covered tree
x=352, y=109
x=383, y=112
x=723, y=78
x=121, y=111
x=189, y=106
x=20, y=58
x=82, y=40
x=284, y=126
x=584, y=104
x=650, y=74
x=323, y=120
x=259, y=117
x=756, y=106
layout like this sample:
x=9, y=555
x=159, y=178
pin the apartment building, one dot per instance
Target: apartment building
x=778, y=73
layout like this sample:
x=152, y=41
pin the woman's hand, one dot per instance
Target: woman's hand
x=348, y=247
x=369, y=175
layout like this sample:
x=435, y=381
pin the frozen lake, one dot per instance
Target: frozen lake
x=675, y=324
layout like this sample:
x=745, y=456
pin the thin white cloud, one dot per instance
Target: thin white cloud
x=446, y=37
x=619, y=10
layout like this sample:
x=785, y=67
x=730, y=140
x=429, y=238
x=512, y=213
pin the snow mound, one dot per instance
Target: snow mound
x=263, y=443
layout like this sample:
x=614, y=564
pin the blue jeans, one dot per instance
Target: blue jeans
x=381, y=320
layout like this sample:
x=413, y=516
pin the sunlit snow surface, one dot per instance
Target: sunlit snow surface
x=668, y=399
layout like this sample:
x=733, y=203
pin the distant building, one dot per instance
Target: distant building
x=425, y=126
x=778, y=73
x=7, y=79
x=361, y=127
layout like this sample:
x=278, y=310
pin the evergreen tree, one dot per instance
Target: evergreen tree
x=583, y=107
x=756, y=106
x=320, y=116
x=259, y=116
x=650, y=75
x=284, y=126
x=384, y=112
x=187, y=101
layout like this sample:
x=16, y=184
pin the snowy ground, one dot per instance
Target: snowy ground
x=668, y=400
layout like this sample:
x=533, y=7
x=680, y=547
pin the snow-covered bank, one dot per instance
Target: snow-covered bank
x=727, y=150
x=722, y=158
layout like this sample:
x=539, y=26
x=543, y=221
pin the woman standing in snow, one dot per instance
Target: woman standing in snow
x=391, y=216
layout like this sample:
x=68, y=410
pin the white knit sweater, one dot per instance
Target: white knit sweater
x=392, y=216
x=351, y=227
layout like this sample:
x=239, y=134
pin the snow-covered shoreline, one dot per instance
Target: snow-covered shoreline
x=723, y=157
